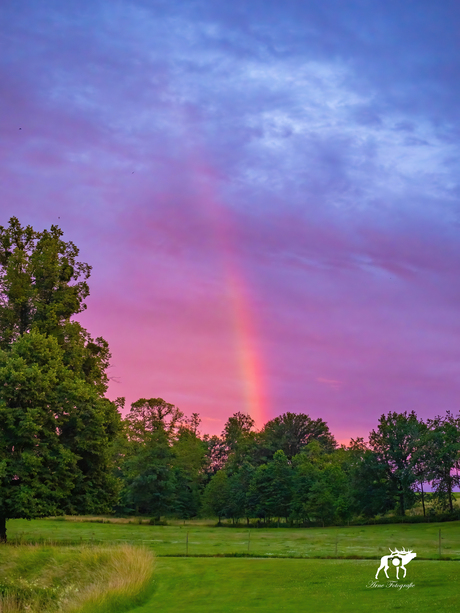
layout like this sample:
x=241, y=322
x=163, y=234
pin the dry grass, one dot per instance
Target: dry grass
x=99, y=519
x=118, y=577
x=84, y=579
x=9, y=604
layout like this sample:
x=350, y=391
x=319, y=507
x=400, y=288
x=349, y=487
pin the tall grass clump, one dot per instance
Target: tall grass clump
x=100, y=579
x=111, y=581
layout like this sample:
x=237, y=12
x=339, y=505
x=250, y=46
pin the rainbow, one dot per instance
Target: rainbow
x=249, y=363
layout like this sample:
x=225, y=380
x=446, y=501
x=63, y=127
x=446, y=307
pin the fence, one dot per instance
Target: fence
x=359, y=542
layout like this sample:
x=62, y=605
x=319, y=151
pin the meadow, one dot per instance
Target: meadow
x=204, y=539
x=313, y=569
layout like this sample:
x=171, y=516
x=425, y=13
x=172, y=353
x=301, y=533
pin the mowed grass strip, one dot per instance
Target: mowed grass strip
x=354, y=541
x=198, y=585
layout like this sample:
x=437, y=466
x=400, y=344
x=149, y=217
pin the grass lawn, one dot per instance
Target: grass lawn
x=359, y=541
x=229, y=585
x=221, y=585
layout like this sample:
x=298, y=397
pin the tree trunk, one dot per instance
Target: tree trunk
x=401, y=503
x=2, y=529
x=449, y=487
x=423, y=499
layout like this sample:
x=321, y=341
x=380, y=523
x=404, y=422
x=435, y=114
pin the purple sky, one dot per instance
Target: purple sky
x=268, y=192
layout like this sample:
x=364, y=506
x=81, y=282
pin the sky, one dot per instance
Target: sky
x=268, y=193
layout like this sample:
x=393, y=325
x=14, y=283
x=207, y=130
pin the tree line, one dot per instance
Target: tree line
x=65, y=448
x=291, y=469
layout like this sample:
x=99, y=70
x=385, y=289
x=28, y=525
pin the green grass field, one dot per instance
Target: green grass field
x=357, y=541
x=227, y=585
x=198, y=585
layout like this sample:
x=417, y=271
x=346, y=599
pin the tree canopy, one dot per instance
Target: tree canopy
x=57, y=427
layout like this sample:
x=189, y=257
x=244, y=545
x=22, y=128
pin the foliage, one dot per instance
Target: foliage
x=226, y=477
x=238, y=441
x=270, y=489
x=56, y=426
x=321, y=486
x=370, y=488
x=216, y=454
x=55, y=435
x=161, y=460
x=149, y=415
x=238, y=427
x=188, y=462
x=216, y=495
x=146, y=469
x=291, y=432
x=395, y=443
x=442, y=457
x=41, y=283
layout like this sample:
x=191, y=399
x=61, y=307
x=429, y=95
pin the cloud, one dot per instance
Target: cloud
x=311, y=151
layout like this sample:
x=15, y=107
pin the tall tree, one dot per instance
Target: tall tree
x=270, y=490
x=147, y=468
x=239, y=440
x=279, y=476
x=216, y=454
x=291, y=432
x=56, y=426
x=395, y=443
x=421, y=460
x=239, y=487
x=188, y=464
x=41, y=283
x=148, y=477
x=370, y=488
x=237, y=428
x=216, y=496
x=148, y=415
x=442, y=457
x=42, y=286
x=321, y=485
